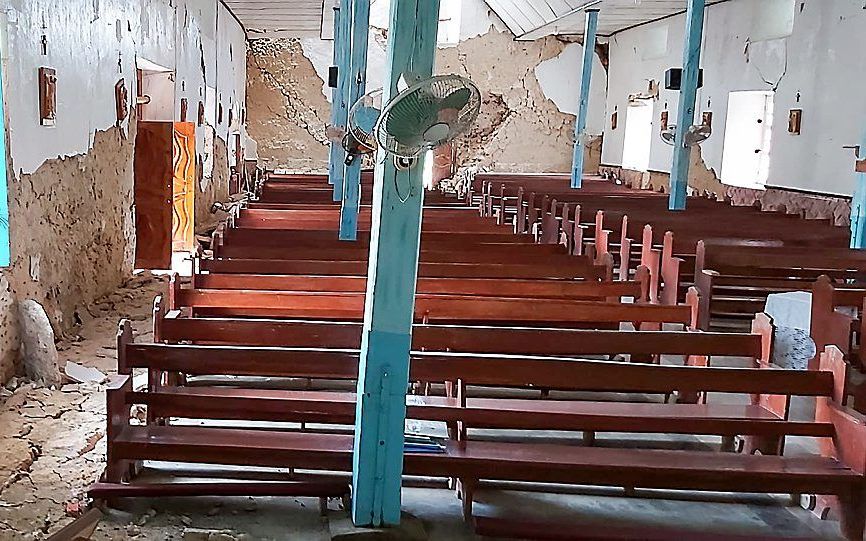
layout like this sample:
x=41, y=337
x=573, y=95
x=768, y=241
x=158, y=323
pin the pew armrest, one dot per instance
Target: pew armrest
x=704, y=284
x=849, y=443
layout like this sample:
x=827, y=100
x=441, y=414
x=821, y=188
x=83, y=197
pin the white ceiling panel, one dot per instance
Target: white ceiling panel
x=533, y=19
x=282, y=18
x=527, y=19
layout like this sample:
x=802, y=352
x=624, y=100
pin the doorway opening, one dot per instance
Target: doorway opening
x=748, y=132
x=638, y=134
x=164, y=171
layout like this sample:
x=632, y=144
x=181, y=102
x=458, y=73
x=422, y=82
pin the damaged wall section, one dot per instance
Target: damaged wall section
x=526, y=122
x=70, y=186
x=747, y=49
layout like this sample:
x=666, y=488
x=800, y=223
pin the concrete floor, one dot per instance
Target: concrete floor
x=53, y=447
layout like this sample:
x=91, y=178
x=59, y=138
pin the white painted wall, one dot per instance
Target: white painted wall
x=94, y=44
x=560, y=78
x=820, y=68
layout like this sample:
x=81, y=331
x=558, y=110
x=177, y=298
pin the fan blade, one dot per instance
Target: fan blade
x=414, y=111
x=457, y=99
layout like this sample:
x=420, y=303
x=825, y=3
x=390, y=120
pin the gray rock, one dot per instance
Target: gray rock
x=38, y=351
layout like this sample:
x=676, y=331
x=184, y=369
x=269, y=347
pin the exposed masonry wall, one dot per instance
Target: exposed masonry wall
x=72, y=232
x=519, y=129
x=216, y=187
x=286, y=110
x=70, y=186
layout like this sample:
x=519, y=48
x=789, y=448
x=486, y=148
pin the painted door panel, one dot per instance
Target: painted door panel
x=183, y=197
x=152, y=195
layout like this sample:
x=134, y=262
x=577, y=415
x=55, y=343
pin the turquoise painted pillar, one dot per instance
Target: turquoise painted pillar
x=335, y=146
x=398, y=197
x=357, y=87
x=339, y=111
x=334, y=93
x=5, y=253
x=858, y=206
x=688, y=98
x=589, y=32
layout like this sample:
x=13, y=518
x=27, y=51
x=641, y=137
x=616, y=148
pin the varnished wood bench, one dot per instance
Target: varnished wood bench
x=832, y=326
x=734, y=281
x=571, y=269
x=442, y=308
x=483, y=287
x=471, y=460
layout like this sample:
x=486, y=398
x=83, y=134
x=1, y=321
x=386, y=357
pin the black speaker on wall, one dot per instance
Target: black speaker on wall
x=332, y=76
x=674, y=78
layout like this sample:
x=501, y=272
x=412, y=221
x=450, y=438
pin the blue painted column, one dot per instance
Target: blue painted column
x=386, y=339
x=858, y=206
x=5, y=251
x=357, y=87
x=334, y=92
x=688, y=98
x=339, y=111
x=589, y=33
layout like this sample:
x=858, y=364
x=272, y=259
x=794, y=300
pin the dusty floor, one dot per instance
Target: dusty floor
x=53, y=447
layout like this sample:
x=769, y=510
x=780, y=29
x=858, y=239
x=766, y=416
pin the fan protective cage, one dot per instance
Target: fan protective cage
x=427, y=115
x=363, y=116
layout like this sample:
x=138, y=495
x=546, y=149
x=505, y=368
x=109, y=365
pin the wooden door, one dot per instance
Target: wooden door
x=152, y=195
x=183, y=191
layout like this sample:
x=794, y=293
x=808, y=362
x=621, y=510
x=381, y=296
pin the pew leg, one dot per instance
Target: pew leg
x=688, y=397
x=323, y=506
x=465, y=490
x=155, y=380
x=766, y=445
x=588, y=438
x=852, y=511
x=545, y=394
x=729, y=444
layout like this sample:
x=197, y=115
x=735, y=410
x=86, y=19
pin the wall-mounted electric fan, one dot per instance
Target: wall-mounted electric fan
x=426, y=115
x=359, y=139
x=695, y=136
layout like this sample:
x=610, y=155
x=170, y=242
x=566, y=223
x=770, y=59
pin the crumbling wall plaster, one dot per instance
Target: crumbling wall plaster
x=217, y=187
x=287, y=109
x=70, y=187
x=72, y=233
x=521, y=127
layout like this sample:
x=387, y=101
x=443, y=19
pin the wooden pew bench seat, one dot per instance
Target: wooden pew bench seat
x=330, y=407
x=481, y=460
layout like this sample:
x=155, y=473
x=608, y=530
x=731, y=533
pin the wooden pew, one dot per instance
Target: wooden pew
x=734, y=281
x=839, y=473
x=450, y=308
x=837, y=319
x=572, y=269
x=484, y=287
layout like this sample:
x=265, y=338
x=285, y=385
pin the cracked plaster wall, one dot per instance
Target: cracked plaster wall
x=812, y=70
x=525, y=124
x=70, y=185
